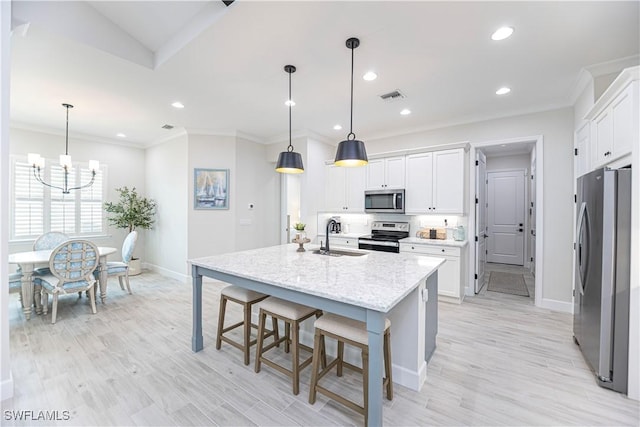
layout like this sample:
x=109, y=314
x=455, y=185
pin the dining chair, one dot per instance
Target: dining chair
x=120, y=269
x=72, y=264
x=15, y=286
x=47, y=241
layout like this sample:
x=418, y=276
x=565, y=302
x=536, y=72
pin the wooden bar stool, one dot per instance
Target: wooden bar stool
x=354, y=333
x=246, y=299
x=292, y=315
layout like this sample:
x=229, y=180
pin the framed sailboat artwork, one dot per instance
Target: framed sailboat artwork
x=211, y=188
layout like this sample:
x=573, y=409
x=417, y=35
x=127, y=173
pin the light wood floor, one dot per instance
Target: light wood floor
x=499, y=361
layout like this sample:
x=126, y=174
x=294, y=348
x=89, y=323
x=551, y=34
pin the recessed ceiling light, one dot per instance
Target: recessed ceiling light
x=502, y=33
x=177, y=104
x=369, y=76
x=405, y=112
x=337, y=127
x=503, y=91
x=289, y=102
x=121, y=135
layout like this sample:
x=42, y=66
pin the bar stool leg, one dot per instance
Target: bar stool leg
x=387, y=363
x=247, y=330
x=340, y=357
x=221, y=313
x=287, y=334
x=295, y=358
x=262, y=318
x=318, y=340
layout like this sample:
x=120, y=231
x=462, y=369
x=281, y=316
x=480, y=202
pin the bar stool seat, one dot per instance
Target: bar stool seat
x=354, y=333
x=247, y=299
x=292, y=315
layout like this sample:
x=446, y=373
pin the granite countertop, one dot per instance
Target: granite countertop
x=376, y=280
x=434, y=242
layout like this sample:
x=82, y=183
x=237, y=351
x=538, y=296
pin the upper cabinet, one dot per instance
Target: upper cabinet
x=345, y=189
x=435, y=182
x=582, y=153
x=615, y=119
x=386, y=173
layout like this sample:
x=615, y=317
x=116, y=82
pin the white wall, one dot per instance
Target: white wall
x=125, y=166
x=257, y=183
x=6, y=380
x=521, y=161
x=557, y=128
x=167, y=180
x=212, y=232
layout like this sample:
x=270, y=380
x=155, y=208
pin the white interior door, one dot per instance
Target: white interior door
x=505, y=229
x=481, y=219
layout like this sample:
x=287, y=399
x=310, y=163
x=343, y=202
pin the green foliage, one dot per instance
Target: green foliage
x=131, y=211
x=299, y=226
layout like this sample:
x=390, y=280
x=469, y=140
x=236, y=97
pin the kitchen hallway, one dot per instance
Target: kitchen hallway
x=499, y=361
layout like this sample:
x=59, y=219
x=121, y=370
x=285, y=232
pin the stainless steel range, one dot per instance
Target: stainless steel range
x=385, y=236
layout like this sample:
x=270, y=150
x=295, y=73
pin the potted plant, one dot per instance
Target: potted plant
x=131, y=211
x=300, y=233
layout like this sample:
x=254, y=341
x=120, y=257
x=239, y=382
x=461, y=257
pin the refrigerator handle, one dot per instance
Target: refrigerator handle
x=581, y=215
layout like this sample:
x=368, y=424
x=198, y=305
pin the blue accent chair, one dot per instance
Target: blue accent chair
x=47, y=241
x=120, y=269
x=15, y=286
x=72, y=264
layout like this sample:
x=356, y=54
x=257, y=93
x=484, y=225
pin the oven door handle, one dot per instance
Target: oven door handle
x=378, y=242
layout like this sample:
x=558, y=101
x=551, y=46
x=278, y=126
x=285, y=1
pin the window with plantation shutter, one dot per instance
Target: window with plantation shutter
x=37, y=209
x=28, y=202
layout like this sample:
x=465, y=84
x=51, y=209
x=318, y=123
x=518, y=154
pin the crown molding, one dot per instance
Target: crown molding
x=74, y=135
x=614, y=66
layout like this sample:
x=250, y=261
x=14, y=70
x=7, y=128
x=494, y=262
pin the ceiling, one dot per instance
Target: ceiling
x=122, y=64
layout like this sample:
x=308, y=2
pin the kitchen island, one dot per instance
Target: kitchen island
x=370, y=287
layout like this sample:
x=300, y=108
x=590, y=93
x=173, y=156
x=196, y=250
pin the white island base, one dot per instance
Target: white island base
x=366, y=288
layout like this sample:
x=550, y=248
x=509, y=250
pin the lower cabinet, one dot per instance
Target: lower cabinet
x=349, y=242
x=450, y=274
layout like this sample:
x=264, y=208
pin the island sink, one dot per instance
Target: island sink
x=337, y=252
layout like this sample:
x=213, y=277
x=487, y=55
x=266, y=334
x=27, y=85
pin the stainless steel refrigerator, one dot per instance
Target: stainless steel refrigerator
x=601, y=292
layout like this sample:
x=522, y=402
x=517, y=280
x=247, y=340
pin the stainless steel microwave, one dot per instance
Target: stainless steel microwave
x=384, y=201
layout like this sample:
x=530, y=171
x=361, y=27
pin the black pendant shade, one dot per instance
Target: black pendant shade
x=351, y=152
x=289, y=161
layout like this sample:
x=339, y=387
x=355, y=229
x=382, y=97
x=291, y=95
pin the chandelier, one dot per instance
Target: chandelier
x=37, y=163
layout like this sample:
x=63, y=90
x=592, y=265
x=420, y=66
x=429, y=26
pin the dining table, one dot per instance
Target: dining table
x=30, y=260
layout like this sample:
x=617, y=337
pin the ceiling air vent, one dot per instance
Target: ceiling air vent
x=392, y=96
x=167, y=127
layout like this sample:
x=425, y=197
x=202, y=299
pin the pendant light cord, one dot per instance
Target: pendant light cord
x=66, y=148
x=351, y=134
x=290, y=147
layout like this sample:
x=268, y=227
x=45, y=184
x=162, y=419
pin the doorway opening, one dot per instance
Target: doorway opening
x=508, y=209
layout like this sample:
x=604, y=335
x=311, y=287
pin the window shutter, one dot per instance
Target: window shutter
x=63, y=206
x=91, y=202
x=28, y=206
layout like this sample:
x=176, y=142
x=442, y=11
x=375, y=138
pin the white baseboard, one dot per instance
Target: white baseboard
x=411, y=379
x=6, y=388
x=169, y=273
x=556, y=305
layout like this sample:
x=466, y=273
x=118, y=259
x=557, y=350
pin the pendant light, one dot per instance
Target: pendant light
x=351, y=152
x=289, y=161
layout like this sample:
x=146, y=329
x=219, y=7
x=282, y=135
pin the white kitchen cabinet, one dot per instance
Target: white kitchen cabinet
x=435, y=182
x=615, y=120
x=582, y=152
x=386, y=173
x=344, y=190
x=450, y=274
x=338, y=240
